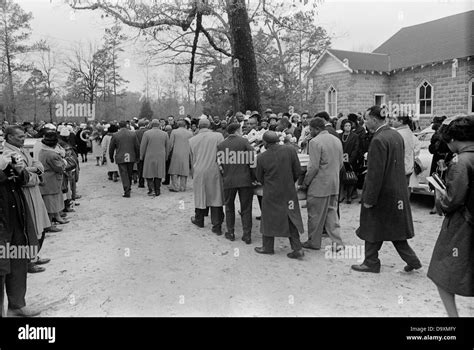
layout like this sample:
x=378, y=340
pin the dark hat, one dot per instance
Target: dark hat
x=50, y=138
x=353, y=117
x=270, y=137
x=233, y=127
x=113, y=128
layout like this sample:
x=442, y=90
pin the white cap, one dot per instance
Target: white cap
x=50, y=126
x=64, y=132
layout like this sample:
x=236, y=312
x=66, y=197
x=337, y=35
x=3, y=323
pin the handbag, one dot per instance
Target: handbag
x=349, y=176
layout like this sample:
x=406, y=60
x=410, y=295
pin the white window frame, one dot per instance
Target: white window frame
x=327, y=100
x=418, y=104
x=470, y=98
x=384, y=102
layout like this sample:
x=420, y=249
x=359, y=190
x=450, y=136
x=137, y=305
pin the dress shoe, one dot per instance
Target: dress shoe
x=151, y=194
x=197, y=223
x=40, y=261
x=23, y=312
x=126, y=195
x=365, y=268
x=410, y=268
x=296, y=254
x=308, y=245
x=261, y=250
x=246, y=239
x=141, y=186
x=33, y=268
x=157, y=193
x=53, y=228
x=230, y=236
x=173, y=190
x=78, y=197
x=60, y=221
x=63, y=215
x=68, y=210
x=258, y=218
x=348, y=201
x=217, y=230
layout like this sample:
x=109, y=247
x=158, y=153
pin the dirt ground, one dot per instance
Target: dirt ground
x=143, y=257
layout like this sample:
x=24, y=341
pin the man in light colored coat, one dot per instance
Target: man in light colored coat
x=322, y=182
x=207, y=183
x=179, y=166
x=154, y=150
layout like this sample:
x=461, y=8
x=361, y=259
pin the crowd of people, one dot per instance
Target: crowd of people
x=371, y=156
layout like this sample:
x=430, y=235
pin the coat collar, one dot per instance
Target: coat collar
x=381, y=128
x=466, y=148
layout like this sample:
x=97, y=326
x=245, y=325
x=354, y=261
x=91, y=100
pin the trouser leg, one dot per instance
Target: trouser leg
x=125, y=176
x=372, y=253
x=2, y=295
x=182, y=183
x=246, y=199
x=229, y=202
x=317, y=208
x=149, y=183
x=174, y=182
x=157, y=185
x=141, y=180
x=268, y=243
x=217, y=217
x=15, y=283
x=332, y=225
x=406, y=253
x=199, y=215
x=295, y=242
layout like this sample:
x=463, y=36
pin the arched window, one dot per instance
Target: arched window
x=424, y=98
x=331, y=101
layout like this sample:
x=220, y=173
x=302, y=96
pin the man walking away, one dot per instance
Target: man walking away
x=237, y=161
x=124, y=150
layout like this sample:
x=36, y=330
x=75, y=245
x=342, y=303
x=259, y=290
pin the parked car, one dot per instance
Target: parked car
x=425, y=157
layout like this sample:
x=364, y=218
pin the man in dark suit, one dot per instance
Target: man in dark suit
x=385, y=213
x=237, y=160
x=143, y=126
x=124, y=150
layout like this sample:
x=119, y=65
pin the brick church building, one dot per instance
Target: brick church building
x=424, y=70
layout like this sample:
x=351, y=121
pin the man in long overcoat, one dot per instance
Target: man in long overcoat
x=180, y=153
x=278, y=168
x=125, y=151
x=143, y=127
x=16, y=230
x=385, y=212
x=207, y=183
x=154, y=150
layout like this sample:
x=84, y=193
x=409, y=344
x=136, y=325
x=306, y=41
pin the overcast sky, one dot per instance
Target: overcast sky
x=354, y=25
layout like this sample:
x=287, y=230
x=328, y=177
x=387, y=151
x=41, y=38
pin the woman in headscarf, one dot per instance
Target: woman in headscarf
x=54, y=166
x=452, y=264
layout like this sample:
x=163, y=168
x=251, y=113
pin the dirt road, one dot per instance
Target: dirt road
x=142, y=257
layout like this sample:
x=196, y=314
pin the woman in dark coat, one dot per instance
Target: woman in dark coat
x=452, y=264
x=350, y=148
x=439, y=149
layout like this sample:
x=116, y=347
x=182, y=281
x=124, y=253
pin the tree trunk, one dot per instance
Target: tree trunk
x=11, y=108
x=244, y=65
